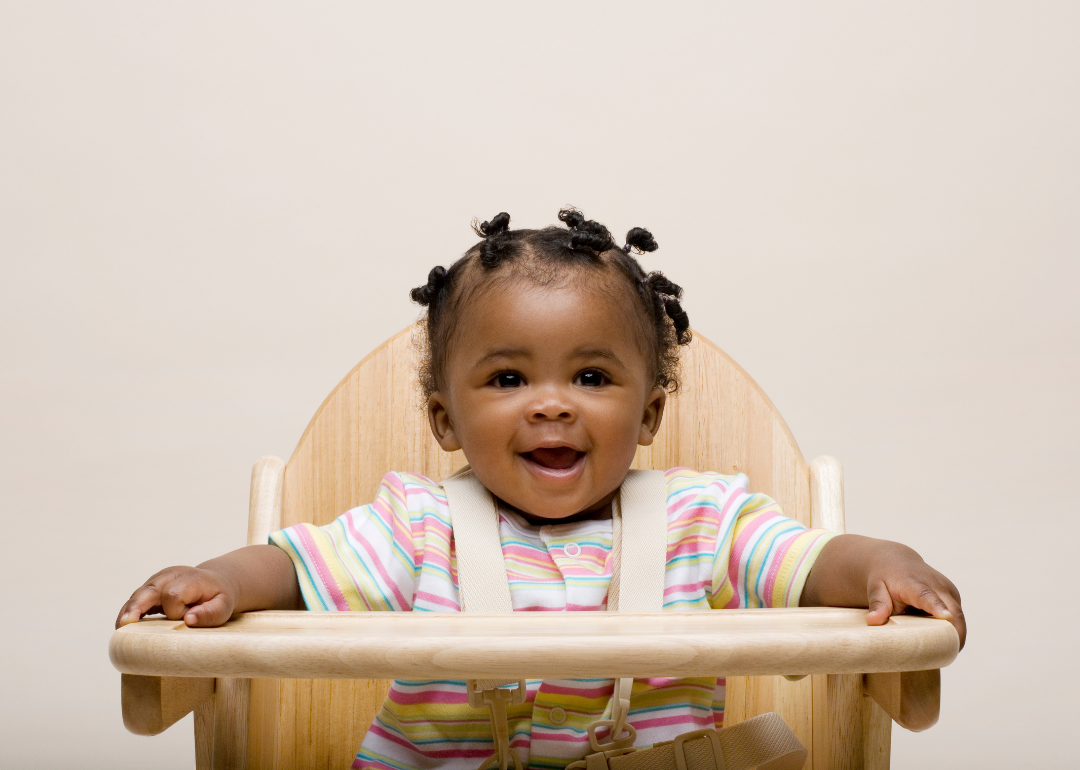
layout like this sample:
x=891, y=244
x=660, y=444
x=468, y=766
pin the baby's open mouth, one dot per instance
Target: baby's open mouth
x=557, y=458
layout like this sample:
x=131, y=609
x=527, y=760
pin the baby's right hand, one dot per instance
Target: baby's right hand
x=201, y=597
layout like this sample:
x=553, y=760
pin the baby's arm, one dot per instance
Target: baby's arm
x=886, y=577
x=258, y=577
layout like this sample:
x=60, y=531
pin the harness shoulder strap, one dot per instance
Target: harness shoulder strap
x=639, y=538
x=474, y=517
x=482, y=583
x=641, y=516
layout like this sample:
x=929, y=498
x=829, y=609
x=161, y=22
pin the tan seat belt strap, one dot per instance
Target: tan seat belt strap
x=763, y=742
x=482, y=583
x=638, y=537
x=642, y=544
x=483, y=588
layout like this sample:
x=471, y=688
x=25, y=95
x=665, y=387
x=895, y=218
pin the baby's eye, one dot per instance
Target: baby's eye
x=507, y=380
x=592, y=378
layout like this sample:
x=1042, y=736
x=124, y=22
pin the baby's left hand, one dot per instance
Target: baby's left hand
x=886, y=577
x=900, y=580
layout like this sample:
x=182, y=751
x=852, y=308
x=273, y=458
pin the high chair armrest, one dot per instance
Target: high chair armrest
x=152, y=704
x=911, y=698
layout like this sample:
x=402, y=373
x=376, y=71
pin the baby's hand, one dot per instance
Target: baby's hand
x=898, y=579
x=887, y=578
x=201, y=597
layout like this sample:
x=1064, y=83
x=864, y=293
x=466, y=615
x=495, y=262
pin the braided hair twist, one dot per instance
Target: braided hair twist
x=665, y=296
x=494, y=234
x=585, y=233
x=427, y=294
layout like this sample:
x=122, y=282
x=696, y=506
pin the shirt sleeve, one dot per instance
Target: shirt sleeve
x=370, y=557
x=762, y=558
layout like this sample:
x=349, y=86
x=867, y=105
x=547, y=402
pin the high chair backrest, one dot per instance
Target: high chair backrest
x=371, y=423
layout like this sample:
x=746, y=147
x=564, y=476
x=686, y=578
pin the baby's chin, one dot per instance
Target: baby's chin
x=601, y=509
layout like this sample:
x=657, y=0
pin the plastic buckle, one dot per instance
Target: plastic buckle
x=680, y=751
x=496, y=700
x=476, y=695
x=494, y=761
x=583, y=764
x=614, y=742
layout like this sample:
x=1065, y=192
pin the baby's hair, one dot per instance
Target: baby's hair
x=544, y=256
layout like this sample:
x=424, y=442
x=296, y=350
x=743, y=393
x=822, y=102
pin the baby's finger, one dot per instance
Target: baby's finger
x=178, y=595
x=145, y=599
x=880, y=605
x=957, y=619
x=215, y=611
x=925, y=598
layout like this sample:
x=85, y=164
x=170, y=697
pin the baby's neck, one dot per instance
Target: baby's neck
x=540, y=521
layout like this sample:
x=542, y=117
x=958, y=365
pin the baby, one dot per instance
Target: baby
x=549, y=358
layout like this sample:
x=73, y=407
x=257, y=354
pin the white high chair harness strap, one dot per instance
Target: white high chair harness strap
x=638, y=537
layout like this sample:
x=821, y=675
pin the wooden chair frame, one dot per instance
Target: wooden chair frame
x=371, y=423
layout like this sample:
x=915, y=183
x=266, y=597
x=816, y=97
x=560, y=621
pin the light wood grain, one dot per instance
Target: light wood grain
x=221, y=734
x=851, y=732
x=827, y=494
x=911, y=698
x=838, y=722
x=876, y=737
x=563, y=645
x=152, y=704
x=264, y=508
x=204, y=735
x=841, y=738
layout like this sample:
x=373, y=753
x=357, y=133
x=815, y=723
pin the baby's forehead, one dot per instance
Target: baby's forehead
x=603, y=281
x=560, y=314
x=591, y=287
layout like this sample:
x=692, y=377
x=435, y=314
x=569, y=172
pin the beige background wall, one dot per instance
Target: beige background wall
x=209, y=213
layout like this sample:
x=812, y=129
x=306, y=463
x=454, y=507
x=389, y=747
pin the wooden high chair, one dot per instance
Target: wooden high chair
x=370, y=424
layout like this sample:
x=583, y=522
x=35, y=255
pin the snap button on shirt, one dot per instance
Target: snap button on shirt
x=557, y=715
x=573, y=550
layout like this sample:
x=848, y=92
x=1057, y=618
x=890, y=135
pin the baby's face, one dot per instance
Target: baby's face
x=548, y=393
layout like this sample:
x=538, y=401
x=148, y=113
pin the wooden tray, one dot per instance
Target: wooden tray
x=407, y=645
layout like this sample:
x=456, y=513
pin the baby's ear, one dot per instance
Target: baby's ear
x=651, y=417
x=442, y=426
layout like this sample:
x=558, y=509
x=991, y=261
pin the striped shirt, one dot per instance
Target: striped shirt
x=727, y=548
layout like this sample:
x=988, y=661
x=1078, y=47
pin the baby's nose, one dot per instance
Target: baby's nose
x=552, y=408
x=552, y=414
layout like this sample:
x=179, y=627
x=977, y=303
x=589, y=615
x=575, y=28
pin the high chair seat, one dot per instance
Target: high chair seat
x=284, y=690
